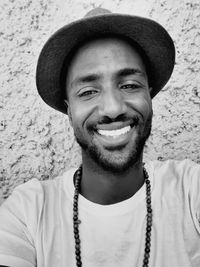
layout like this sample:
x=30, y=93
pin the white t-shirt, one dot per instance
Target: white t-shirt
x=36, y=223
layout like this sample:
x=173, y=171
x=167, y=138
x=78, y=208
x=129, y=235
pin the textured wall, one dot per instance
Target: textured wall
x=35, y=140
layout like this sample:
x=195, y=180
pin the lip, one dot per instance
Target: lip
x=115, y=142
x=113, y=126
x=115, y=133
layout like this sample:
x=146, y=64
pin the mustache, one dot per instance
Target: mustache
x=121, y=118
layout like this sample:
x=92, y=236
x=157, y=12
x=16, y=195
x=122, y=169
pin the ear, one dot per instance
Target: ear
x=68, y=111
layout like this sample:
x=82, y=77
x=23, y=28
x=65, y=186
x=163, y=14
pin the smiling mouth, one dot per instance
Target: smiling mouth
x=115, y=133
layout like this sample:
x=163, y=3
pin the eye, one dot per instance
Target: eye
x=129, y=86
x=88, y=92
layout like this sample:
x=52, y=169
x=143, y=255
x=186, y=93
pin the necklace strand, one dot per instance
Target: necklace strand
x=76, y=221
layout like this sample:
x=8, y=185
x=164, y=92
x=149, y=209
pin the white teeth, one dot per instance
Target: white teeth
x=115, y=133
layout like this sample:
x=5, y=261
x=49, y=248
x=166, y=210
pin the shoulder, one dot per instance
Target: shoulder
x=58, y=187
x=29, y=202
x=176, y=168
x=180, y=175
x=34, y=193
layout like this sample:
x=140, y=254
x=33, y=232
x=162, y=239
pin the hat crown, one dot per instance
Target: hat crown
x=55, y=55
x=97, y=11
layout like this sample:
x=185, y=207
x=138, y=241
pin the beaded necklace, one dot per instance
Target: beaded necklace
x=76, y=221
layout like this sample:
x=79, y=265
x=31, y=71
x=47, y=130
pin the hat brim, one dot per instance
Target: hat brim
x=148, y=34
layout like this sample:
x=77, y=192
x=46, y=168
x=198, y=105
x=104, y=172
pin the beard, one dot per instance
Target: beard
x=117, y=161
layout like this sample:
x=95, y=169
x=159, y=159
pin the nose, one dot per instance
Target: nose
x=112, y=104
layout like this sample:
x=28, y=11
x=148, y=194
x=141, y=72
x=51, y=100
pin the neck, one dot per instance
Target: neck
x=105, y=187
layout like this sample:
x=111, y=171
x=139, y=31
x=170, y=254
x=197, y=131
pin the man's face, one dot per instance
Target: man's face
x=109, y=103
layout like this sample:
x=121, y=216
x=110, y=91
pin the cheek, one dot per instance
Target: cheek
x=143, y=105
x=79, y=115
x=81, y=110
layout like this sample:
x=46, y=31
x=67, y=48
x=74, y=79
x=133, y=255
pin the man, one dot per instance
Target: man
x=103, y=71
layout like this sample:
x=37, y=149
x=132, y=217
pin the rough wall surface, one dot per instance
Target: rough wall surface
x=35, y=140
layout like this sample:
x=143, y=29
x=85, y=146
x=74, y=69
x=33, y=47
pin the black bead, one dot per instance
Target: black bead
x=146, y=260
x=148, y=234
x=79, y=263
x=149, y=209
x=149, y=217
x=148, y=201
x=77, y=246
x=75, y=217
x=148, y=228
x=78, y=252
x=148, y=239
x=76, y=236
x=78, y=258
x=75, y=230
x=75, y=206
x=76, y=225
x=147, y=250
x=77, y=241
x=148, y=243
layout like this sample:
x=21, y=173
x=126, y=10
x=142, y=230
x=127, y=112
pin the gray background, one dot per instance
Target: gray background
x=35, y=140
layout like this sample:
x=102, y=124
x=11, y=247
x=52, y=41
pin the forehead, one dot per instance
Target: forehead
x=105, y=55
x=118, y=46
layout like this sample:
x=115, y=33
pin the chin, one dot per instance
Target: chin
x=119, y=160
x=116, y=161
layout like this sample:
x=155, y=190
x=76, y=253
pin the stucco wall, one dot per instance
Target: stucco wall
x=35, y=140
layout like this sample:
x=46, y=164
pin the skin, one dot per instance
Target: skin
x=107, y=89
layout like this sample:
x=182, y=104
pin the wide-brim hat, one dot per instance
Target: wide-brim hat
x=150, y=36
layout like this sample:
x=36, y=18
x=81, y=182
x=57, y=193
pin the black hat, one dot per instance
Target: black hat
x=150, y=36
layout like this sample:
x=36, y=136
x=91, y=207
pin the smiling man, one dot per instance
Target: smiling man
x=109, y=103
x=114, y=210
x=109, y=106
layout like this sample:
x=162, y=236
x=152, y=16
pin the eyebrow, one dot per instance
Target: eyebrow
x=96, y=76
x=86, y=79
x=130, y=71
